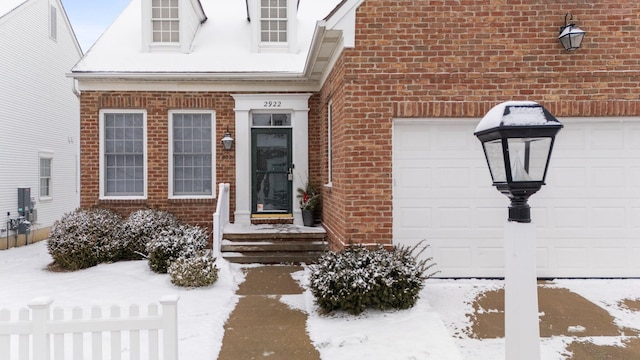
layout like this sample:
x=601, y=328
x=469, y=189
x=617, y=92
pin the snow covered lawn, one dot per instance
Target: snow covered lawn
x=436, y=328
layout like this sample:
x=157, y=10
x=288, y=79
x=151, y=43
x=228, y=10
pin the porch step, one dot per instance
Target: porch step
x=273, y=244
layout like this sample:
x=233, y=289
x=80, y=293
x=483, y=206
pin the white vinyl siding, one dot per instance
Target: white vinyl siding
x=38, y=110
x=273, y=21
x=191, y=160
x=123, y=154
x=165, y=21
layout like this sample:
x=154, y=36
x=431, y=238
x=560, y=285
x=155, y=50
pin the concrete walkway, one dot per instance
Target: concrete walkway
x=261, y=326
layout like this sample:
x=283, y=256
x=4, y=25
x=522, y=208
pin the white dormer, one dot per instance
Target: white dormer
x=273, y=25
x=170, y=24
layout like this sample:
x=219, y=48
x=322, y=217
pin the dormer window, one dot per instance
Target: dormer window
x=170, y=25
x=165, y=21
x=274, y=30
x=273, y=21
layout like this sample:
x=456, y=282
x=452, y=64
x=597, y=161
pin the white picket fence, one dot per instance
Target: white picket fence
x=36, y=335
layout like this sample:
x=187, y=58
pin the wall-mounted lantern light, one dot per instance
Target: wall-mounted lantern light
x=570, y=35
x=227, y=140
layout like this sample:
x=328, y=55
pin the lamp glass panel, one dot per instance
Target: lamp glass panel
x=576, y=39
x=528, y=157
x=495, y=159
x=566, y=42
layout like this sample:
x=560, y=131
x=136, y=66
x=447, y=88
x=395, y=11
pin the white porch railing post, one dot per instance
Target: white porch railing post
x=220, y=217
x=170, y=326
x=40, y=317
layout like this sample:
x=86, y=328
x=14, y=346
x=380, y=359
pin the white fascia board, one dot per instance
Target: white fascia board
x=154, y=76
x=195, y=86
x=345, y=19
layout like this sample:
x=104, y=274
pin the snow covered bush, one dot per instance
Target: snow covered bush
x=358, y=278
x=195, y=271
x=83, y=238
x=182, y=241
x=139, y=228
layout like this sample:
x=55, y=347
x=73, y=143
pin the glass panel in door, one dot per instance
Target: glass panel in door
x=272, y=169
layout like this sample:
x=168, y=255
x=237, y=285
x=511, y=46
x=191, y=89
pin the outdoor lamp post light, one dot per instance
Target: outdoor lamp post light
x=517, y=138
x=227, y=140
x=570, y=35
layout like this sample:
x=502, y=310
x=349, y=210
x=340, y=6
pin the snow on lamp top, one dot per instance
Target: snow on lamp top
x=516, y=113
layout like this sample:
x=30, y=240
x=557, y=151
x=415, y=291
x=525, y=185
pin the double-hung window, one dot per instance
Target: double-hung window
x=191, y=154
x=53, y=22
x=45, y=177
x=165, y=22
x=330, y=143
x=123, y=146
x=273, y=21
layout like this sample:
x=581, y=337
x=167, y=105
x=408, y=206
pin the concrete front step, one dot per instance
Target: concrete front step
x=273, y=246
x=273, y=243
x=265, y=257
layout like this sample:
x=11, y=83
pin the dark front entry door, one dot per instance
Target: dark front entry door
x=272, y=171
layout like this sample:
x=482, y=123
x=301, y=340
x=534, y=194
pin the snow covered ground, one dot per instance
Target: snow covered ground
x=434, y=329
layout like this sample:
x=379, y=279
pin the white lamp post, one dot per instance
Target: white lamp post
x=517, y=138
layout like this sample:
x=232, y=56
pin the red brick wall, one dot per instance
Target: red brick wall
x=157, y=105
x=416, y=59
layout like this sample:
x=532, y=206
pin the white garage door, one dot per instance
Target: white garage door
x=587, y=216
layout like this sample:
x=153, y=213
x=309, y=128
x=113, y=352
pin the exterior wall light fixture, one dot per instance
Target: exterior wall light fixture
x=570, y=35
x=227, y=140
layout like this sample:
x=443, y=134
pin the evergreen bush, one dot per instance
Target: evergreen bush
x=358, y=278
x=196, y=271
x=138, y=230
x=181, y=241
x=83, y=238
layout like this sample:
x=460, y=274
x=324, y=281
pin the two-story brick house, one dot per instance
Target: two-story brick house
x=374, y=102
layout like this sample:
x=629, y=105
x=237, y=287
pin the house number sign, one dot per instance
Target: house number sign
x=272, y=104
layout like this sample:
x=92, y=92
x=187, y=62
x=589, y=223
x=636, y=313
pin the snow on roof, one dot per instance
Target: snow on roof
x=520, y=113
x=7, y=5
x=222, y=45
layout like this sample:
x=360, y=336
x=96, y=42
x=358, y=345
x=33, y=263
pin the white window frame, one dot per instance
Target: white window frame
x=45, y=155
x=163, y=20
x=213, y=194
x=329, y=144
x=270, y=46
x=103, y=195
x=53, y=22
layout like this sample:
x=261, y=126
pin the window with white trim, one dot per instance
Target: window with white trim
x=165, y=22
x=123, y=153
x=191, y=154
x=273, y=21
x=330, y=143
x=45, y=177
x=53, y=22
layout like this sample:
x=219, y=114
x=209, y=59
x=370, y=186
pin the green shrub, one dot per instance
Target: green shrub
x=83, y=238
x=358, y=278
x=137, y=231
x=194, y=271
x=182, y=241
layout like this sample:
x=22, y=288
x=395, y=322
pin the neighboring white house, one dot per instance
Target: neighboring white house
x=39, y=118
